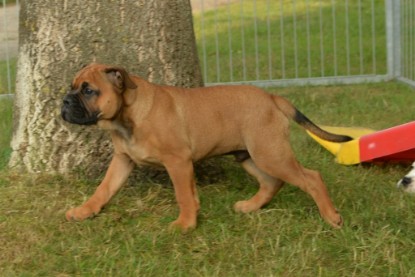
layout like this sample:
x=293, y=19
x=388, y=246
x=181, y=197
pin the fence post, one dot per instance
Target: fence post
x=393, y=38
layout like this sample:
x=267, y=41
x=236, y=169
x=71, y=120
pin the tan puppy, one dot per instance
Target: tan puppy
x=174, y=127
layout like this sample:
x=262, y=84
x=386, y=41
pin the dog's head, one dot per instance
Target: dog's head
x=96, y=93
x=407, y=183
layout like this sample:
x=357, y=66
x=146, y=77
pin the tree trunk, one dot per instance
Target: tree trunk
x=150, y=38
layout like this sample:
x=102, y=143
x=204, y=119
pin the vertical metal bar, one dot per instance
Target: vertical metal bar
x=321, y=40
x=389, y=37
x=412, y=56
x=230, y=42
x=269, y=42
x=9, y=79
x=295, y=39
x=256, y=42
x=308, y=38
x=202, y=27
x=359, y=7
x=374, y=70
x=217, y=43
x=408, y=37
x=397, y=38
x=282, y=38
x=243, y=42
x=393, y=37
x=347, y=38
x=405, y=38
x=333, y=11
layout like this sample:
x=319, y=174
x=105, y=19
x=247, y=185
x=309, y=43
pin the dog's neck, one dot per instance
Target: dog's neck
x=136, y=100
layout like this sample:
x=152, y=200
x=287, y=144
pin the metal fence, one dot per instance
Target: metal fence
x=301, y=42
x=288, y=42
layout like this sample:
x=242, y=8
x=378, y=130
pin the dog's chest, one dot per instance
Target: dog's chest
x=137, y=150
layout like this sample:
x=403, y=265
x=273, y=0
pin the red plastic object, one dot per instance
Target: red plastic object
x=393, y=144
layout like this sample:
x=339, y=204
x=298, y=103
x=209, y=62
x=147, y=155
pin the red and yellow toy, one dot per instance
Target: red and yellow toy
x=394, y=144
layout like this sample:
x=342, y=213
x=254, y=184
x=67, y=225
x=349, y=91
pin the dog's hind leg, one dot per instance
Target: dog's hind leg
x=269, y=186
x=277, y=160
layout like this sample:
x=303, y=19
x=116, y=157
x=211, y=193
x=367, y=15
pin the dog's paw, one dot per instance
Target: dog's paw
x=335, y=220
x=245, y=206
x=182, y=226
x=80, y=213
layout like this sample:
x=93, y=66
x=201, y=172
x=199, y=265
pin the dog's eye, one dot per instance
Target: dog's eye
x=88, y=91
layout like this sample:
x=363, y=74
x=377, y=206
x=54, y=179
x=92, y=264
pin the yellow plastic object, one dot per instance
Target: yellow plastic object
x=346, y=153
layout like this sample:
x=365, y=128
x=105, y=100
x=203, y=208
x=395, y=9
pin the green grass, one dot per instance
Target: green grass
x=332, y=62
x=4, y=76
x=286, y=238
x=6, y=112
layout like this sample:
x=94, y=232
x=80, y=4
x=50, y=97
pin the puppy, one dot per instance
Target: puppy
x=174, y=127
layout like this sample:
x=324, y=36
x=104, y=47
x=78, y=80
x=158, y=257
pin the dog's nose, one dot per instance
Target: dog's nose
x=67, y=101
x=406, y=181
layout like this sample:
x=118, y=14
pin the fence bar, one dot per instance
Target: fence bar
x=282, y=39
x=230, y=42
x=9, y=78
x=412, y=39
x=315, y=81
x=308, y=39
x=269, y=42
x=202, y=31
x=405, y=41
x=347, y=37
x=396, y=35
x=217, y=43
x=256, y=42
x=295, y=39
x=333, y=12
x=321, y=40
x=407, y=81
x=243, y=41
x=373, y=39
x=359, y=6
x=393, y=37
x=7, y=96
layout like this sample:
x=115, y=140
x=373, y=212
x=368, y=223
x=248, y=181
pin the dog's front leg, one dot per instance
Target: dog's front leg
x=117, y=173
x=182, y=176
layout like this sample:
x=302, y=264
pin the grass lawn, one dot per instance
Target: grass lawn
x=6, y=111
x=286, y=238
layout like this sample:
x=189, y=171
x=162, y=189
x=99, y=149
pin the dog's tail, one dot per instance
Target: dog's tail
x=291, y=112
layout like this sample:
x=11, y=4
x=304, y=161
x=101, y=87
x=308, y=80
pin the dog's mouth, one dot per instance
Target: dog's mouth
x=74, y=111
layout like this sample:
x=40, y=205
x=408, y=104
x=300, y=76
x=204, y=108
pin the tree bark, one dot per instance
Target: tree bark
x=150, y=38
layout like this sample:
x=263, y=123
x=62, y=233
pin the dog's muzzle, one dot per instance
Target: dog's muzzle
x=407, y=183
x=74, y=111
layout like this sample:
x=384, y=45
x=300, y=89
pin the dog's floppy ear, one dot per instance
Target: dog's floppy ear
x=120, y=78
